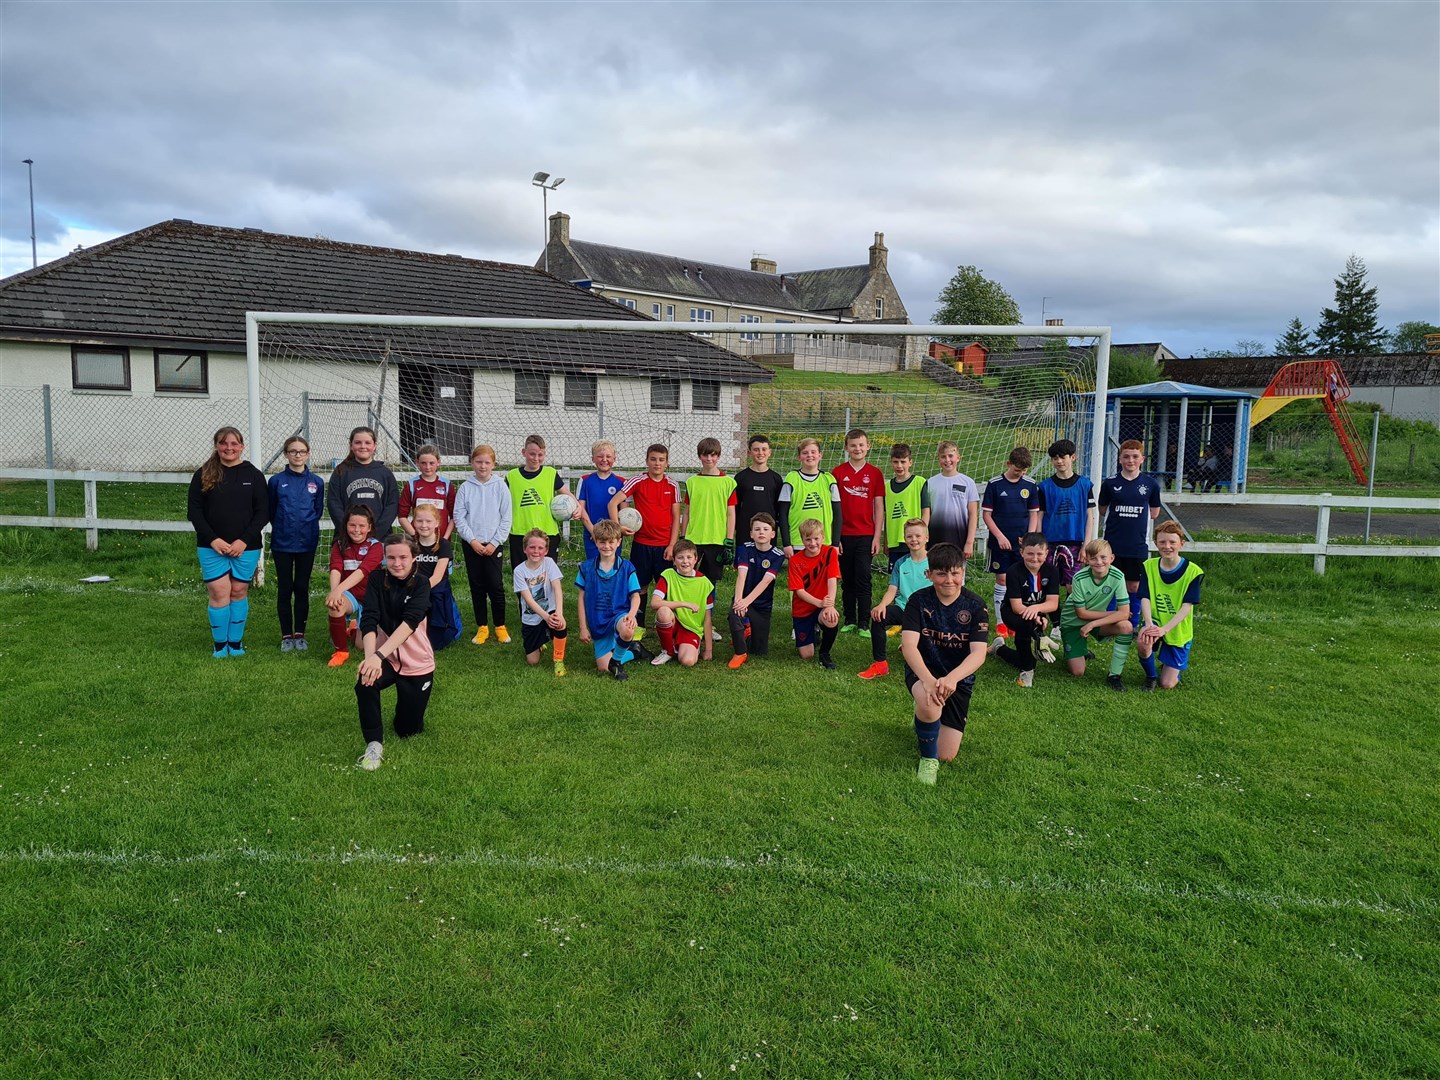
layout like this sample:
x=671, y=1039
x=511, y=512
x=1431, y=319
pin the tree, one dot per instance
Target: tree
x=971, y=299
x=1243, y=347
x=1410, y=336
x=1351, y=327
x=1134, y=368
x=1296, y=342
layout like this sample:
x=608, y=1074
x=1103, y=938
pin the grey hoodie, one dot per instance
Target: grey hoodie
x=482, y=511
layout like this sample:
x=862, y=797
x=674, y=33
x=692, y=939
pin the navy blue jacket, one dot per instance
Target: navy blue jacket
x=297, y=501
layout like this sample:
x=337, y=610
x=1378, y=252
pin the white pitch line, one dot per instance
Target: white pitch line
x=1420, y=907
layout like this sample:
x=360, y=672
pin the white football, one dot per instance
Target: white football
x=562, y=507
x=630, y=519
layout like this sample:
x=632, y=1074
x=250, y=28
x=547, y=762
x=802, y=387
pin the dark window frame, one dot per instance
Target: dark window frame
x=203, y=388
x=122, y=351
x=658, y=383
x=592, y=385
x=534, y=399
x=711, y=387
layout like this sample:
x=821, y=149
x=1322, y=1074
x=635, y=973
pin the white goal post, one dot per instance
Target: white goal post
x=356, y=366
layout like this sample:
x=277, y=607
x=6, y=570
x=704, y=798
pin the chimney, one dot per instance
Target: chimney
x=878, y=252
x=762, y=265
x=560, y=228
x=1054, y=322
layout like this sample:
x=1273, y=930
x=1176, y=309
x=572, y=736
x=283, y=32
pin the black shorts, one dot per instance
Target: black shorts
x=1000, y=558
x=956, y=709
x=1131, y=567
x=533, y=638
x=649, y=562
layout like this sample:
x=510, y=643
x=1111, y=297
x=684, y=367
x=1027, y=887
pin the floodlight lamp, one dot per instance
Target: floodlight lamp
x=557, y=183
x=540, y=178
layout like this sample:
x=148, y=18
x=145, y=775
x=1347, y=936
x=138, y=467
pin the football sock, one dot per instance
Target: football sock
x=1148, y=663
x=559, y=646
x=338, y=637
x=999, y=605
x=1121, y=653
x=667, y=637
x=827, y=638
x=219, y=625
x=1135, y=608
x=928, y=736
x=239, y=612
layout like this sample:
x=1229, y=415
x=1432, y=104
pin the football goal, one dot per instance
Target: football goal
x=454, y=383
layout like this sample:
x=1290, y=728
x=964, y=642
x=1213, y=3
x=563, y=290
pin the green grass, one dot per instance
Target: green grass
x=705, y=869
x=887, y=382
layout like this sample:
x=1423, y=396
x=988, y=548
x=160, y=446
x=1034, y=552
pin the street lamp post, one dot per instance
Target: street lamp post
x=538, y=180
x=30, y=170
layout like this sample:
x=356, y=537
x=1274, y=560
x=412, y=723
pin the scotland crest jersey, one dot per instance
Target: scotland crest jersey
x=1126, y=505
x=759, y=563
x=1010, y=503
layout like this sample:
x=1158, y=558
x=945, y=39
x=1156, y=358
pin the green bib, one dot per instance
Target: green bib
x=688, y=590
x=707, y=497
x=530, y=501
x=900, y=507
x=809, y=499
x=1166, y=600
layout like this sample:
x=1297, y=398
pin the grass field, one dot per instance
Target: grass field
x=714, y=873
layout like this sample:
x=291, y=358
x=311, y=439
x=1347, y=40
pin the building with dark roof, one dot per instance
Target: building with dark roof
x=143, y=338
x=673, y=288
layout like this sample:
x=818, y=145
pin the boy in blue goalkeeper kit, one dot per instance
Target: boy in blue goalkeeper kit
x=943, y=642
x=609, y=602
x=1169, y=590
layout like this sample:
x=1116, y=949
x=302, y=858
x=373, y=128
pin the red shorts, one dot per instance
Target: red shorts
x=684, y=636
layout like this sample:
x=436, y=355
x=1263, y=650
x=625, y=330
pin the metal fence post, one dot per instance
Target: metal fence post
x=49, y=451
x=847, y=417
x=1370, y=481
x=92, y=513
x=600, y=416
x=1322, y=533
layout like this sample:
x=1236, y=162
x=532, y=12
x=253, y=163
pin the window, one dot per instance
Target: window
x=665, y=395
x=532, y=388
x=185, y=372
x=669, y=312
x=624, y=301
x=698, y=314
x=655, y=312
x=705, y=396
x=749, y=319
x=879, y=307
x=784, y=343
x=99, y=368
x=581, y=391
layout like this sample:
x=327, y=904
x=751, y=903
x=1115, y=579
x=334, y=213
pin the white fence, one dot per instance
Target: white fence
x=1320, y=547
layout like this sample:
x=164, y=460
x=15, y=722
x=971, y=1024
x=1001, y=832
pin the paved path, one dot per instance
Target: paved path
x=1300, y=521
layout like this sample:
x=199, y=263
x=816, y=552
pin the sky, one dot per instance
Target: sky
x=1190, y=173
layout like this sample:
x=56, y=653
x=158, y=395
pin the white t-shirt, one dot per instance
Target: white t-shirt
x=537, y=584
x=950, y=499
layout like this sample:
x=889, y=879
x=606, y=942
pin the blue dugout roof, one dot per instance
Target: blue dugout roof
x=1170, y=389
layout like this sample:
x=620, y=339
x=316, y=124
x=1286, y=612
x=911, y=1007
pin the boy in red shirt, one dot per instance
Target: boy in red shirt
x=814, y=579
x=862, y=519
x=655, y=495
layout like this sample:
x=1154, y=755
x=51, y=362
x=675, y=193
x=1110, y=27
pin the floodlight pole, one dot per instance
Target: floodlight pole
x=30, y=169
x=538, y=180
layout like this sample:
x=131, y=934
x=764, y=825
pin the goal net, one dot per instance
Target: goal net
x=456, y=383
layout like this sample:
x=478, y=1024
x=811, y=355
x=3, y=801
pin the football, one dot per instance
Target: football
x=630, y=519
x=563, y=507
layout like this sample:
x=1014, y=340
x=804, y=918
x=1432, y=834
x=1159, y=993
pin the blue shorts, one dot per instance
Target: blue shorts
x=1000, y=559
x=1175, y=656
x=805, y=628
x=214, y=566
x=610, y=643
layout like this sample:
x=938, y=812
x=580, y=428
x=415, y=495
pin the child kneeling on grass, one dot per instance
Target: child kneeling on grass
x=609, y=601
x=353, y=559
x=397, y=648
x=542, y=615
x=1169, y=589
x=814, y=578
x=757, y=565
x=943, y=642
x=1098, y=606
x=1032, y=596
x=907, y=577
x=683, y=600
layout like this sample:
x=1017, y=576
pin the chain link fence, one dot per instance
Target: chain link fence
x=1298, y=445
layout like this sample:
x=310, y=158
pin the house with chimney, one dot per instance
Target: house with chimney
x=674, y=288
